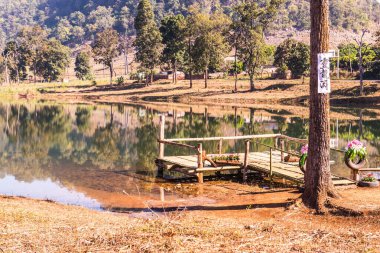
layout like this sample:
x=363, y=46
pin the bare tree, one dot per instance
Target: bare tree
x=362, y=49
x=318, y=183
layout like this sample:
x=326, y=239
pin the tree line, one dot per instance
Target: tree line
x=73, y=21
x=196, y=44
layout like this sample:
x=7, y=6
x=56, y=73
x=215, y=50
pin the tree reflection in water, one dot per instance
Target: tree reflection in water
x=37, y=139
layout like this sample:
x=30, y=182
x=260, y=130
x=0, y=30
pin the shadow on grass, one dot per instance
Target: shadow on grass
x=202, y=208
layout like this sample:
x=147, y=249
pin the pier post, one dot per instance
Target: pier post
x=220, y=146
x=246, y=153
x=200, y=164
x=270, y=165
x=162, y=136
x=282, y=149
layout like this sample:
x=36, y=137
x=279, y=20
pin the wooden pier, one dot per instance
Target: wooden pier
x=270, y=162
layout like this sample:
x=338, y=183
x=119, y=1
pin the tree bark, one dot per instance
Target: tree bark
x=206, y=77
x=126, y=70
x=111, y=73
x=236, y=75
x=191, y=79
x=251, y=81
x=175, y=72
x=318, y=183
x=361, y=70
x=151, y=76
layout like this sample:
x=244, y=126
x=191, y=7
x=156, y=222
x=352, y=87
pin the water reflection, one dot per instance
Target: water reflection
x=91, y=148
x=46, y=189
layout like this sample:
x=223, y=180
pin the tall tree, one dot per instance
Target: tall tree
x=294, y=55
x=31, y=41
x=105, y=49
x=82, y=66
x=210, y=44
x=125, y=26
x=13, y=60
x=173, y=38
x=318, y=183
x=148, y=38
x=252, y=20
x=53, y=60
x=362, y=48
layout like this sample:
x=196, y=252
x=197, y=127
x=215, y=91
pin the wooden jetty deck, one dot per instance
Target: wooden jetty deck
x=269, y=162
x=257, y=161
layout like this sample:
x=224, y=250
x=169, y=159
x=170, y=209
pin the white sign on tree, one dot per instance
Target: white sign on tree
x=324, y=85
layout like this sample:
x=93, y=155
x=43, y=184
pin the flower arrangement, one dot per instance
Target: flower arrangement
x=355, y=149
x=304, y=150
x=369, y=178
x=369, y=181
x=226, y=158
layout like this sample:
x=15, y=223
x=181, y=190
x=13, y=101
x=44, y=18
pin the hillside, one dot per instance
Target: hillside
x=72, y=21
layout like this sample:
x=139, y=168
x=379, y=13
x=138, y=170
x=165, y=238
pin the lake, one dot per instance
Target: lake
x=103, y=156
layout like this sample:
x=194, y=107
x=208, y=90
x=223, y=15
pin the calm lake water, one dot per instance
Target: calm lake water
x=102, y=156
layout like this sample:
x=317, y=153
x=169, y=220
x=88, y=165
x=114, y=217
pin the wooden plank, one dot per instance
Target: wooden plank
x=242, y=137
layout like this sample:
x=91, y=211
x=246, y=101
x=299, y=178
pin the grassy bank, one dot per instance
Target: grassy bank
x=40, y=226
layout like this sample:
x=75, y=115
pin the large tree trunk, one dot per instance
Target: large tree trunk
x=318, y=184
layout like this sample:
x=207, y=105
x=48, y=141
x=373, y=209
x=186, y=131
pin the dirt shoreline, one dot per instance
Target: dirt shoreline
x=269, y=92
x=268, y=224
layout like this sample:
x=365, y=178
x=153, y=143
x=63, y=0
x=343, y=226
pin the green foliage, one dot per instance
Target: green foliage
x=226, y=158
x=349, y=59
x=104, y=14
x=148, y=40
x=100, y=19
x=120, y=80
x=294, y=55
x=302, y=160
x=369, y=178
x=53, y=60
x=82, y=66
x=210, y=46
x=251, y=20
x=173, y=37
x=353, y=153
x=238, y=67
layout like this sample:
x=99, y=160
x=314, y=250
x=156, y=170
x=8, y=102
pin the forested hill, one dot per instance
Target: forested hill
x=76, y=20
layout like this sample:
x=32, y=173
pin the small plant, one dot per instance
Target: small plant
x=226, y=158
x=304, y=150
x=94, y=83
x=369, y=178
x=355, y=149
x=120, y=80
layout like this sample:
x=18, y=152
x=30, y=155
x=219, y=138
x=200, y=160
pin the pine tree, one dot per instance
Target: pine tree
x=148, y=38
x=173, y=37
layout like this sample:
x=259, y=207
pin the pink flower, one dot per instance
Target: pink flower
x=304, y=149
x=355, y=144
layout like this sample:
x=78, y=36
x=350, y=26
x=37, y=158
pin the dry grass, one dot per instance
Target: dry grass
x=40, y=226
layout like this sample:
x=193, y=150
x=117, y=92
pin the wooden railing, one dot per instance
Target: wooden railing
x=199, y=148
x=280, y=139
